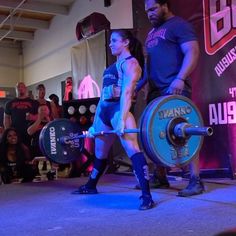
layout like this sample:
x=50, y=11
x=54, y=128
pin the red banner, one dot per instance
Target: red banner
x=214, y=80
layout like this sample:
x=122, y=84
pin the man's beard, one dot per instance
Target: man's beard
x=157, y=22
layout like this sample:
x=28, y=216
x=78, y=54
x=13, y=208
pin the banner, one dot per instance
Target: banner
x=88, y=63
x=214, y=80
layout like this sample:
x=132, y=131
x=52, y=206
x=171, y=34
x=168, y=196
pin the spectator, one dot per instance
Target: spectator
x=34, y=131
x=68, y=89
x=19, y=111
x=35, y=128
x=14, y=159
x=54, y=98
x=42, y=101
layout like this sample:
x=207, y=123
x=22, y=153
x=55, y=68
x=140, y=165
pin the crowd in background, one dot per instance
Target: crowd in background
x=24, y=118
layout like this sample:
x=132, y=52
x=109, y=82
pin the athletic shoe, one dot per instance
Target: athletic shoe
x=194, y=187
x=85, y=190
x=147, y=202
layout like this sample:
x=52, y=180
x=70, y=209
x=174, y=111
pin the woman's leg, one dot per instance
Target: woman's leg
x=102, y=147
x=140, y=167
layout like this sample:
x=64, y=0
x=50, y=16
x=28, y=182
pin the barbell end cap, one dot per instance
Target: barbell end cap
x=210, y=131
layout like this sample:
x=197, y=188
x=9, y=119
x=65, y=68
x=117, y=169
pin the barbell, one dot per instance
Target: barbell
x=171, y=133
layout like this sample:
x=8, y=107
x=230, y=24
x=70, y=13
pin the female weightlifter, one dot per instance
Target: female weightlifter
x=113, y=112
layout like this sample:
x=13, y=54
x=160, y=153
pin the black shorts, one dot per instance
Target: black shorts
x=108, y=110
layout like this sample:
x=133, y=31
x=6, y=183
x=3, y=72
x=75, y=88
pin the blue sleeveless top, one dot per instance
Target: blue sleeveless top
x=110, y=76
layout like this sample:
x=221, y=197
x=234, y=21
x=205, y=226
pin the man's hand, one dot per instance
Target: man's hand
x=176, y=87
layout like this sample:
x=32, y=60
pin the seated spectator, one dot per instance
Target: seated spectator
x=54, y=98
x=14, y=158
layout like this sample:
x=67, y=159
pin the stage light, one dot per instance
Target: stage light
x=82, y=109
x=92, y=108
x=71, y=110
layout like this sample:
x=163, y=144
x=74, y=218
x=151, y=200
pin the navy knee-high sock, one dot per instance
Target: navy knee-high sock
x=140, y=168
x=99, y=167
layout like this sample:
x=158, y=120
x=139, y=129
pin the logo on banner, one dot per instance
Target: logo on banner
x=219, y=23
x=88, y=88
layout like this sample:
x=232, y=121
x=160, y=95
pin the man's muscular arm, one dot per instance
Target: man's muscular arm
x=191, y=55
